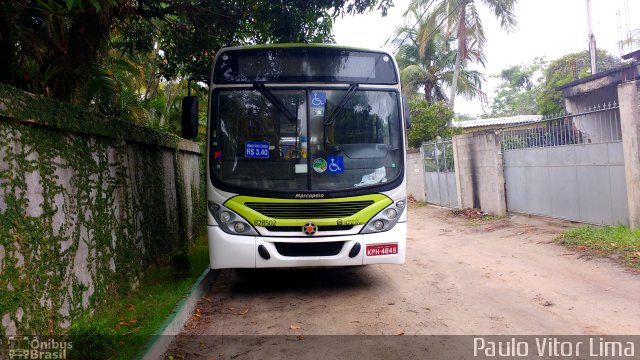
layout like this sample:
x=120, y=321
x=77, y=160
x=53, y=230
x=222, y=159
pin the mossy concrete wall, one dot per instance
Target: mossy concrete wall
x=87, y=203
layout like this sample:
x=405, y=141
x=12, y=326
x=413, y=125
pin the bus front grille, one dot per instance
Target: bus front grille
x=307, y=210
x=309, y=249
x=301, y=228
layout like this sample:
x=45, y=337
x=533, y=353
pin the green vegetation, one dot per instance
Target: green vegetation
x=119, y=329
x=40, y=256
x=518, y=90
x=428, y=121
x=427, y=58
x=607, y=240
x=69, y=49
x=131, y=59
x=531, y=88
x=460, y=26
x=434, y=58
x=86, y=211
x=564, y=70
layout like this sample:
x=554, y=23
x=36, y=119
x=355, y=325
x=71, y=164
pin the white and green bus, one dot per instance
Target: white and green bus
x=305, y=157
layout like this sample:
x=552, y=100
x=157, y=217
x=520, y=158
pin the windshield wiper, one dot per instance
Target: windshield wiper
x=274, y=100
x=334, y=114
x=331, y=119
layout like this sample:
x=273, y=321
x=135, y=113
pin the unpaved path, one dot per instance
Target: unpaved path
x=461, y=276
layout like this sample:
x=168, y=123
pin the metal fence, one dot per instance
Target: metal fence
x=568, y=167
x=439, y=173
x=438, y=156
x=596, y=125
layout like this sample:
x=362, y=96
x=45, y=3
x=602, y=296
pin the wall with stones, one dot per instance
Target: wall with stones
x=86, y=204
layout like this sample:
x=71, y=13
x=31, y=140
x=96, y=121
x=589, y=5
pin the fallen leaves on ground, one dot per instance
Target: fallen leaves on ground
x=469, y=213
x=197, y=314
x=244, y=311
x=127, y=323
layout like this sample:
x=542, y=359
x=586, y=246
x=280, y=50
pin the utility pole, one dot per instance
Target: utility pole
x=592, y=41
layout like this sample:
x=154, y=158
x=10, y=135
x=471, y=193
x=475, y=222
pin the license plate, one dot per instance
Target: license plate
x=383, y=249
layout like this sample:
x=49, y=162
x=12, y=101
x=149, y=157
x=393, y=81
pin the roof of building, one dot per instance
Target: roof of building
x=631, y=55
x=624, y=72
x=509, y=120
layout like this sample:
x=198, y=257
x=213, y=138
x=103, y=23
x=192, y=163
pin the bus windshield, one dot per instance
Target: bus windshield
x=337, y=139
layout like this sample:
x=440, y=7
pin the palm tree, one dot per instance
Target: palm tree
x=462, y=18
x=468, y=23
x=427, y=60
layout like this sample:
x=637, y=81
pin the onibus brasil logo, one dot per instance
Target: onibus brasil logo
x=25, y=347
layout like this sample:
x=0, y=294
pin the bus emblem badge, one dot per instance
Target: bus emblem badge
x=310, y=228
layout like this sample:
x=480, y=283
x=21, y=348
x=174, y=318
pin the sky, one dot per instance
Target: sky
x=549, y=28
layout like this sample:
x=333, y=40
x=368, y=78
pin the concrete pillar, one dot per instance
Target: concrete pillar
x=458, y=171
x=480, y=172
x=629, y=98
x=415, y=176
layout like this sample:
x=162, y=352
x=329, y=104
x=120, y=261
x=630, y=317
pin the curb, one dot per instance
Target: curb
x=160, y=342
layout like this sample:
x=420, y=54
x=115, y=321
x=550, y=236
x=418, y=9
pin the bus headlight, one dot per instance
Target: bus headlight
x=225, y=216
x=239, y=227
x=391, y=213
x=385, y=219
x=230, y=222
x=378, y=225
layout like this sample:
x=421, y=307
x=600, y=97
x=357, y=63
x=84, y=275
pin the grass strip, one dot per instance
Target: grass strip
x=120, y=328
x=619, y=241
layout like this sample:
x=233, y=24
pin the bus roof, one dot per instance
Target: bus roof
x=301, y=45
x=297, y=63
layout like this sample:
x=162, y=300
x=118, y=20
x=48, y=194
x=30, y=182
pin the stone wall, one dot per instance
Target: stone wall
x=86, y=204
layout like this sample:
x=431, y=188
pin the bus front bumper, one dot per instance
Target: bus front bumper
x=233, y=251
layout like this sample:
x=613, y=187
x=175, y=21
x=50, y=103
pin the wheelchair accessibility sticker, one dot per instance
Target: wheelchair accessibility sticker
x=332, y=165
x=317, y=99
x=335, y=165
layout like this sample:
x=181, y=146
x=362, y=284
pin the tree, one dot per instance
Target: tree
x=518, y=90
x=462, y=15
x=53, y=46
x=426, y=60
x=564, y=70
x=428, y=121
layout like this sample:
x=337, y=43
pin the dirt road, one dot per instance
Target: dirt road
x=461, y=276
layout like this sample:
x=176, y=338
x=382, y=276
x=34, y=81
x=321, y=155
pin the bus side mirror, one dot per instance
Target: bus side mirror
x=189, y=117
x=407, y=114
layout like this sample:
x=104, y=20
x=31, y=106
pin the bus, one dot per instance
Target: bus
x=305, y=157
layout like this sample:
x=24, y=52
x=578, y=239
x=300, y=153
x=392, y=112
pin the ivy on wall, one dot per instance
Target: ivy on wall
x=84, y=209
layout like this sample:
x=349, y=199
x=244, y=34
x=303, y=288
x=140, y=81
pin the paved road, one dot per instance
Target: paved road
x=462, y=276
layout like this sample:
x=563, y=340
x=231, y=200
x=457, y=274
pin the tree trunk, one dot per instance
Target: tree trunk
x=461, y=53
x=427, y=92
x=74, y=58
x=454, y=81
